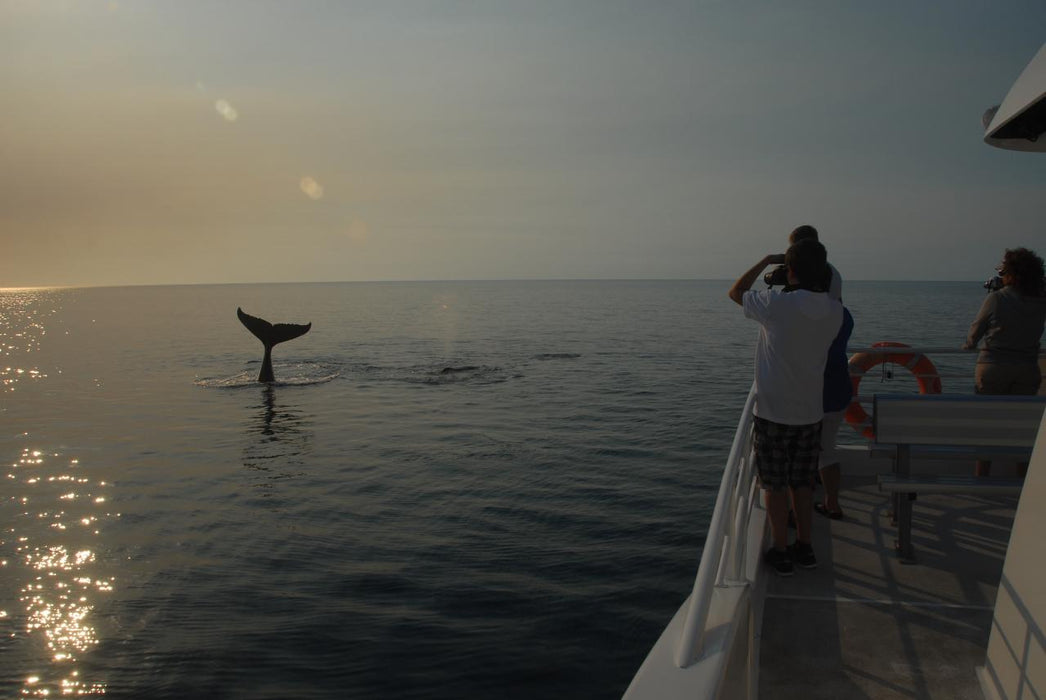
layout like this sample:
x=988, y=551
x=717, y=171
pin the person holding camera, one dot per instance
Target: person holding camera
x=797, y=327
x=1010, y=322
x=838, y=389
x=833, y=283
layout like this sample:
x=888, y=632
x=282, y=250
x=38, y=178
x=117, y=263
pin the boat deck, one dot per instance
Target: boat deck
x=867, y=625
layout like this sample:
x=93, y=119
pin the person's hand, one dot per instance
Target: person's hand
x=776, y=259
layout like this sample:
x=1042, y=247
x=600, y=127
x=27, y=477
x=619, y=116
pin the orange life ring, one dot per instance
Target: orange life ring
x=919, y=365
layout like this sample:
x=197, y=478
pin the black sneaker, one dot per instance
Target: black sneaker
x=803, y=555
x=780, y=561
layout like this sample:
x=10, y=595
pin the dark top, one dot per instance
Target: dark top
x=1011, y=325
x=838, y=389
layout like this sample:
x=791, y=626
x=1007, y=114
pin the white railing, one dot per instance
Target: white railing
x=723, y=555
x=883, y=353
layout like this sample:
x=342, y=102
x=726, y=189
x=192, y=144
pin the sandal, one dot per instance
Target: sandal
x=833, y=514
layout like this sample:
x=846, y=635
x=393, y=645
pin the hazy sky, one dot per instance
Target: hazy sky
x=185, y=142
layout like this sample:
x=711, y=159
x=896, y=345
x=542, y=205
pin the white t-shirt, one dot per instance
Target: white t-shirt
x=796, y=330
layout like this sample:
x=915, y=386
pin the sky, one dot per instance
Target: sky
x=189, y=142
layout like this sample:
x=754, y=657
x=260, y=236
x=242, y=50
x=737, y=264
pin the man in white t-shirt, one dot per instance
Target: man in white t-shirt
x=797, y=326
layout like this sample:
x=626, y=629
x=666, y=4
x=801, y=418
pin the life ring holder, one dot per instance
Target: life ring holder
x=919, y=365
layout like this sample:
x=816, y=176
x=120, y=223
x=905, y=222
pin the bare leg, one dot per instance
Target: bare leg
x=777, y=510
x=830, y=478
x=803, y=505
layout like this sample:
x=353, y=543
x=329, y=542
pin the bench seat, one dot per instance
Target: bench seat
x=953, y=452
x=949, y=426
x=893, y=483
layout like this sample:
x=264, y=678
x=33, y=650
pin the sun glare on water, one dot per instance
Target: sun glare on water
x=61, y=576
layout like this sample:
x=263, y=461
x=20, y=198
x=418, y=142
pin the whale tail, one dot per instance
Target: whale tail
x=270, y=334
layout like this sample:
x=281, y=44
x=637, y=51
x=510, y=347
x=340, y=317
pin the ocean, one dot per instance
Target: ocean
x=453, y=490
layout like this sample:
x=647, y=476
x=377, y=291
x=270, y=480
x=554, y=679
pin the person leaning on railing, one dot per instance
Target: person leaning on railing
x=1010, y=323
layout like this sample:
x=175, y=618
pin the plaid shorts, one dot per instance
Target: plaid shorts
x=785, y=455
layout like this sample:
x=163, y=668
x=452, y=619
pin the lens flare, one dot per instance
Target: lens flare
x=312, y=189
x=226, y=110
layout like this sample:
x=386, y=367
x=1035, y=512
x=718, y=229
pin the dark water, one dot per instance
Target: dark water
x=455, y=490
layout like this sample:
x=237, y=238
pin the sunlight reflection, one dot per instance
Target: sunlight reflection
x=22, y=330
x=61, y=583
x=311, y=188
x=10, y=376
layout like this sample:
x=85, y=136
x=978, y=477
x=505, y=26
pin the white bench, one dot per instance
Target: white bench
x=950, y=426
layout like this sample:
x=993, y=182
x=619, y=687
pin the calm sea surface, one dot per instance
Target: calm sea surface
x=454, y=490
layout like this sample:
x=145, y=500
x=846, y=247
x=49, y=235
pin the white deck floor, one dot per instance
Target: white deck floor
x=864, y=625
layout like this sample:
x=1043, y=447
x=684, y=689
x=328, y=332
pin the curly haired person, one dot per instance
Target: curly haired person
x=1010, y=324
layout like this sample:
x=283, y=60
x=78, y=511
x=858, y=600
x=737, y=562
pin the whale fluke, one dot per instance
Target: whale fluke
x=270, y=334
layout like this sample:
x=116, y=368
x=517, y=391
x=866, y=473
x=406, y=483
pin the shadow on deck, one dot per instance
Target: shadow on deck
x=864, y=625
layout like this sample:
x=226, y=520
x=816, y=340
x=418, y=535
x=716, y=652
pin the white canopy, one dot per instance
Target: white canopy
x=1019, y=123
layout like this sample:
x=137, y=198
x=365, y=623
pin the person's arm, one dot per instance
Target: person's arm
x=980, y=324
x=745, y=281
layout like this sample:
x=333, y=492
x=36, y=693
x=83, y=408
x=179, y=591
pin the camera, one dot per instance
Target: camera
x=994, y=283
x=777, y=277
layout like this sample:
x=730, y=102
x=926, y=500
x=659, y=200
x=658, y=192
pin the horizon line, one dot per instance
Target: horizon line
x=16, y=288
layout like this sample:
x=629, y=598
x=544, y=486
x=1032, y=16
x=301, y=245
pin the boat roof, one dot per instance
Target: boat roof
x=1019, y=123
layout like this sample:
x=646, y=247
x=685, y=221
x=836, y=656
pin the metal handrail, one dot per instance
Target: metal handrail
x=918, y=350
x=915, y=350
x=721, y=529
x=949, y=373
